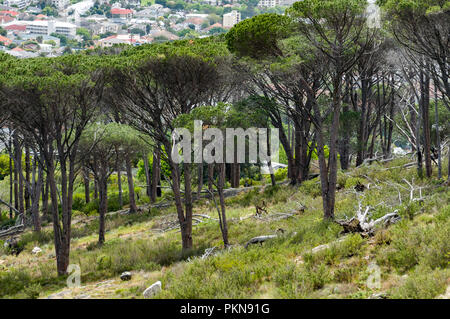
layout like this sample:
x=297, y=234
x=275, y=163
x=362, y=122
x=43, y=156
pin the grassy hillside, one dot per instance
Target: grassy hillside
x=413, y=255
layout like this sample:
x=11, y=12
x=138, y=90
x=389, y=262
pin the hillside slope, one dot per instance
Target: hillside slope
x=409, y=259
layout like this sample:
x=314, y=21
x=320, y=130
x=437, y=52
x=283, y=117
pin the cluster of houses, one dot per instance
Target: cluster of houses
x=28, y=30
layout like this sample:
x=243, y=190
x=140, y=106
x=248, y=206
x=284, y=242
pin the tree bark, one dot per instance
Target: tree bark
x=133, y=207
x=222, y=216
x=186, y=227
x=86, y=185
x=148, y=186
x=425, y=101
x=18, y=167
x=156, y=175
x=45, y=193
x=103, y=207
x=438, y=137
x=27, y=194
x=11, y=190
x=199, y=179
x=36, y=190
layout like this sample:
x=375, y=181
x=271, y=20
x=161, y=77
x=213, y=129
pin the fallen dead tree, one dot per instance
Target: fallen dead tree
x=259, y=240
x=363, y=223
x=14, y=230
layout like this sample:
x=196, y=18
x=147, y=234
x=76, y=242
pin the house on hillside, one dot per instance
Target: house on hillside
x=121, y=15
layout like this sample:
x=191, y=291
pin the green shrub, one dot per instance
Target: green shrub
x=13, y=281
x=78, y=202
x=32, y=291
x=311, y=187
x=423, y=283
x=103, y=262
x=426, y=244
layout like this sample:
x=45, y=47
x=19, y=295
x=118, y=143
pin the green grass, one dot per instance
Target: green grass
x=413, y=255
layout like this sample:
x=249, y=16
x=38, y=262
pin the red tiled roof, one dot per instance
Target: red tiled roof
x=17, y=49
x=5, y=40
x=6, y=19
x=121, y=11
x=197, y=21
x=11, y=13
x=215, y=25
x=17, y=27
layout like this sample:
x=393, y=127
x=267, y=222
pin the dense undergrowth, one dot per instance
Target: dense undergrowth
x=412, y=256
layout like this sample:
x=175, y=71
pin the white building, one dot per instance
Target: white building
x=231, y=18
x=269, y=3
x=43, y=27
x=17, y=3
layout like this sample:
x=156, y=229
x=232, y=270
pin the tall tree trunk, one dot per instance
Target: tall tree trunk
x=119, y=186
x=133, y=207
x=27, y=194
x=418, y=142
x=186, y=227
x=45, y=192
x=85, y=173
x=199, y=179
x=11, y=191
x=210, y=176
x=36, y=190
x=148, y=186
x=103, y=207
x=61, y=249
x=18, y=166
x=269, y=162
x=156, y=175
x=16, y=183
x=425, y=101
x=328, y=173
x=222, y=215
x=438, y=137
x=362, y=130
x=95, y=189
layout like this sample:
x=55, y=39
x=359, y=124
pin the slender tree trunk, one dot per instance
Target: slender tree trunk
x=425, y=101
x=45, y=193
x=148, y=186
x=186, y=227
x=344, y=145
x=18, y=166
x=11, y=191
x=95, y=189
x=269, y=162
x=61, y=251
x=438, y=137
x=362, y=124
x=16, y=183
x=418, y=142
x=222, y=216
x=103, y=207
x=210, y=176
x=119, y=186
x=133, y=207
x=27, y=194
x=86, y=185
x=36, y=190
x=156, y=175
x=200, y=179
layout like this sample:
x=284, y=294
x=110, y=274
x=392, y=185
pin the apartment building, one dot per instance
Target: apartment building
x=43, y=27
x=231, y=18
x=269, y=3
x=21, y=4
